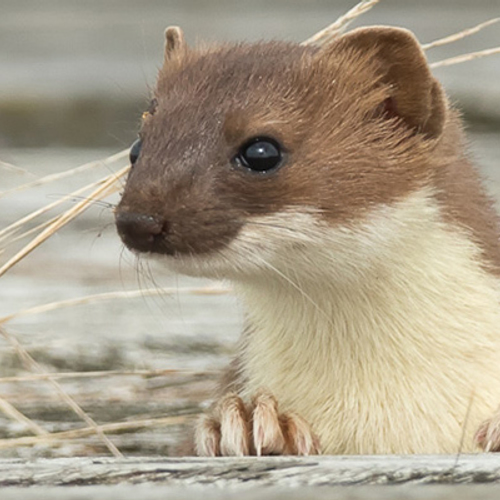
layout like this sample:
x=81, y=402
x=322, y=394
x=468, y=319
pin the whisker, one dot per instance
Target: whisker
x=141, y=276
x=104, y=228
x=75, y=199
x=121, y=261
x=161, y=301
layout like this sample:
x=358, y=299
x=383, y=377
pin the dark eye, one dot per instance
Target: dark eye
x=135, y=151
x=260, y=154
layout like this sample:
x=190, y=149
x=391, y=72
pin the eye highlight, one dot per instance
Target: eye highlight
x=135, y=151
x=260, y=154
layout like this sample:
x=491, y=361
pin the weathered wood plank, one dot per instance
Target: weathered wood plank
x=265, y=471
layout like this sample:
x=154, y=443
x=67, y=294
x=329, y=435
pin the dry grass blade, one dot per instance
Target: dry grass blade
x=335, y=29
x=465, y=57
x=133, y=425
x=114, y=295
x=16, y=415
x=461, y=34
x=67, y=173
x=32, y=365
x=7, y=231
x=14, y=169
x=12, y=239
x=464, y=428
x=109, y=186
x=106, y=374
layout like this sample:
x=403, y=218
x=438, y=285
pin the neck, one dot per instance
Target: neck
x=401, y=308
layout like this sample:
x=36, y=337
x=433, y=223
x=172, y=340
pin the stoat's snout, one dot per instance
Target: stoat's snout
x=186, y=233
x=164, y=211
x=143, y=233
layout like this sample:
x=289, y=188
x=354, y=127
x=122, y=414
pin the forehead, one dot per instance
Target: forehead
x=213, y=93
x=231, y=72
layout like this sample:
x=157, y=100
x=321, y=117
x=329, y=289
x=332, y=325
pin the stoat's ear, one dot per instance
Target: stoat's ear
x=415, y=95
x=175, y=45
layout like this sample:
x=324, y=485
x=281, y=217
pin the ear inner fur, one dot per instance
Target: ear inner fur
x=402, y=66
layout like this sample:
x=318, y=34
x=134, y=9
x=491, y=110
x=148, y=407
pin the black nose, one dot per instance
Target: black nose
x=139, y=232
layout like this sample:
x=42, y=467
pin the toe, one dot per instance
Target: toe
x=488, y=435
x=268, y=437
x=234, y=426
x=207, y=438
x=300, y=440
x=492, y=442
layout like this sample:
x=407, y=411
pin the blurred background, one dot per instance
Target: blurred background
x=75, y=76
x=77, y=73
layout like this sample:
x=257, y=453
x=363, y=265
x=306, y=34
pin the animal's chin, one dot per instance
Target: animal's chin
x=212, y=265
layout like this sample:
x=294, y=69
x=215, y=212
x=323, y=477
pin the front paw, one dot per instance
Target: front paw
x=488, y=435
x=236, y=429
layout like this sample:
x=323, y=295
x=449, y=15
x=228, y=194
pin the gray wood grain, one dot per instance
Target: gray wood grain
x=270, y=478
x=263, y=471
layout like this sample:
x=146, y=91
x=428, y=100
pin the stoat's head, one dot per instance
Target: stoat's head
x=249, y=153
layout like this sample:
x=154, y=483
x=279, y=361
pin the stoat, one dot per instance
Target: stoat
x=331, y=186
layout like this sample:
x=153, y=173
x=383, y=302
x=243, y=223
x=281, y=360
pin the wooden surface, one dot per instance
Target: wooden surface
x=258, y=471
x=374, y=477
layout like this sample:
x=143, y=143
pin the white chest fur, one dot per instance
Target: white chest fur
x=385, y=335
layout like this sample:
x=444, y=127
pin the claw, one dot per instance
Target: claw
x=237, y=430
x=301, y=440
x=207, y=437
x=488, y=435
x=267, y=433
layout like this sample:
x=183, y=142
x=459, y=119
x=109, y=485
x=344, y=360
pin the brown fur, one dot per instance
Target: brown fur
x=461, y=193
x=344, y=153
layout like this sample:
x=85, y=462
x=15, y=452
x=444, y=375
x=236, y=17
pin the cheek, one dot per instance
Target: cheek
x=276, y=237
